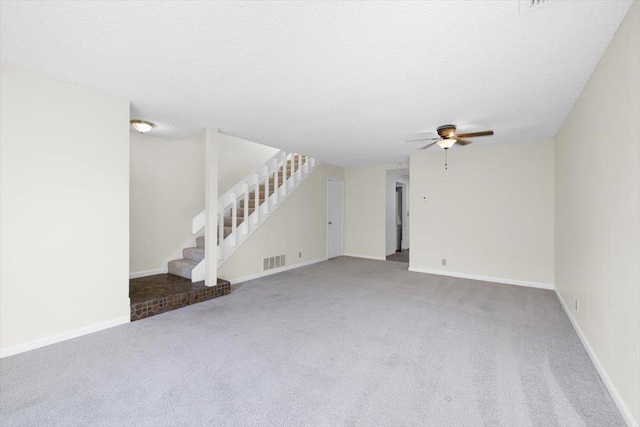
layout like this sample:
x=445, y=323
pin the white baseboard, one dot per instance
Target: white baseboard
x=484, y=278
x=139, y=274
x=52, y=339
x=274, y=271
x=365, y=256
x=613, y=391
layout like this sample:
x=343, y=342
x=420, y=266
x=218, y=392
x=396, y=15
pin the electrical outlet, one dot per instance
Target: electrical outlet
x=299, y=254
x=444, y=261
x=577, y=306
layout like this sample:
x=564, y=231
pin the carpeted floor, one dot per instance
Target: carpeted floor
x=399, y=256
x=344, y=342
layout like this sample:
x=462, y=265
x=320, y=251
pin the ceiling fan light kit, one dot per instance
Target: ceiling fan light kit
x=446, y=143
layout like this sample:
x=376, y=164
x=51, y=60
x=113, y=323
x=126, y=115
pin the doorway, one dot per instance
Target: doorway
x=397, y=217
x=335, y=217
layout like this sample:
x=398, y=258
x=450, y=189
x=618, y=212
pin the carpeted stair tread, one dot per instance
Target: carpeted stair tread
x=181, y=267
x=193, y=254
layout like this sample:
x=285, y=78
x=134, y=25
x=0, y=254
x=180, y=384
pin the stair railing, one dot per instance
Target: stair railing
x=281, y=169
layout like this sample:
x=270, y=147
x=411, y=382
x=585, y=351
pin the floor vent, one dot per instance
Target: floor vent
x=273, y=262
x=531, y=5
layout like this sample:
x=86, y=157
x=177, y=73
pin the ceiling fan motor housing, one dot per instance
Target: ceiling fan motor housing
x=447, y=131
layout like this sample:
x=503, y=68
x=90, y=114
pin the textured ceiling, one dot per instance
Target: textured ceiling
x=347, y=82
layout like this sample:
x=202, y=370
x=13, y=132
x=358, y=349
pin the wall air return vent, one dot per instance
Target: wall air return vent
x=527, y=6
x=273, y=262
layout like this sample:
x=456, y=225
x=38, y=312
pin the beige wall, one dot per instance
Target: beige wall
x=365, y=201
x=299, y=225
x=598, y=213
x=167, y=191
x=64, y=210
x=237, y=159
x=490, y=214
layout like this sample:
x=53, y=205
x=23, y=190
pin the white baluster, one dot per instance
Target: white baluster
x=275, y=181
x=256, y=180
x=306, y=166
x=266, y=189
x=293, y=169
x=245, y=191
x=313, y=162
x=234, y=218
x=284, y=174
x=220, y=230
x=300, y=166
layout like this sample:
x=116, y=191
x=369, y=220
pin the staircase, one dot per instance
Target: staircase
x=242, y=210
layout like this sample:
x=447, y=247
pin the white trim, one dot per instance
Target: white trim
x=52, y=339
x=377, y=258
x=484, y=278
x=274, y=271
x=139, y=274
x=613, y=391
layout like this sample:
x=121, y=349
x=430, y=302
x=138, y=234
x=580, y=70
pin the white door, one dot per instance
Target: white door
x=335, y=217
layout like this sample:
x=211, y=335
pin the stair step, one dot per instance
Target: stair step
x=181, y=267
x=228, y=221
x=252, y=203
x=193, y=254
x=227, y=230
x=241, y=211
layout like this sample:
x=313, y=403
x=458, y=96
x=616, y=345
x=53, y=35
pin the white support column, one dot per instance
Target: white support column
x=220, y=231
x=211, y=206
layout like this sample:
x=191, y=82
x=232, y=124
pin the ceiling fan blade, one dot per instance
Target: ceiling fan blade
x=423, y=139
x=429, y=145
x=474, y=134
x=463, y=142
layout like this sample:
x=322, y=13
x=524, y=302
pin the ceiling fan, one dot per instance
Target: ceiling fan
x=447, y=137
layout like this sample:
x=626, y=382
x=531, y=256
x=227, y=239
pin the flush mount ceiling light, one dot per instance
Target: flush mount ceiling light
x=141, y=125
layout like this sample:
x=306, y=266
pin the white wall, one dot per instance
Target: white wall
x=167, y=191
x=64, y=205
x=238, y=158
x=299, y=225
x=598, y=212
x=397, y=176
x=365, y=193
x=490, y=214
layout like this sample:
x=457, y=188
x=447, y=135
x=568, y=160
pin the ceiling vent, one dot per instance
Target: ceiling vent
x=527, y=6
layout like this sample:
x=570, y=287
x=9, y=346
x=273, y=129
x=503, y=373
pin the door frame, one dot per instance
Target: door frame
x=327, y=220
x=404, y=209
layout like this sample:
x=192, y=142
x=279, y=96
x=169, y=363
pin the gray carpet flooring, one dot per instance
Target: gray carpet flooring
x=344, y=342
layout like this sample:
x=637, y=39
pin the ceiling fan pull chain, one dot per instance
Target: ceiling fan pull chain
x=445, y=159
